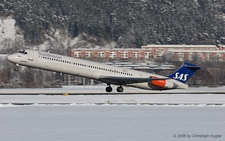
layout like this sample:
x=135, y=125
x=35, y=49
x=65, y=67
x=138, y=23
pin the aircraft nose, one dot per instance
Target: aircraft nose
x=12, y=58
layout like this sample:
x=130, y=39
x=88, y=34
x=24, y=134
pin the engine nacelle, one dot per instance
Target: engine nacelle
x=161, y=84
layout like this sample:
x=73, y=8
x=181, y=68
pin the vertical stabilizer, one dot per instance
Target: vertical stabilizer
x=184, y=72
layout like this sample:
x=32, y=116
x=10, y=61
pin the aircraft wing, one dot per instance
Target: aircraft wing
x=127, y=80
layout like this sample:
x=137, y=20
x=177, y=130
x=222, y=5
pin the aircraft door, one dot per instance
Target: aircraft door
x=31, y=55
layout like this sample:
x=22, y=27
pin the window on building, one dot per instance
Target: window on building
x=208, y=57
x=200, y=56
x=136, y=55
x=112, y=54
x=148, y=55
x=180, y=56
x=88, y=54
x=101, y=55
x=190, y=56
x=124, y=55
x=218, y=57
x=77, y=54
x=160, y=50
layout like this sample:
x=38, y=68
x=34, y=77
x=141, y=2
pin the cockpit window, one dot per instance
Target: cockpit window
x=23, y=52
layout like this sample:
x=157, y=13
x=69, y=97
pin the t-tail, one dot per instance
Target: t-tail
x=184, y=72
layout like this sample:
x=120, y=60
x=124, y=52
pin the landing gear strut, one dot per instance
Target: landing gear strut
x=16, y=68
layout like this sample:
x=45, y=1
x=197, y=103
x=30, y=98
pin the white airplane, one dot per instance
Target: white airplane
x=104, y=73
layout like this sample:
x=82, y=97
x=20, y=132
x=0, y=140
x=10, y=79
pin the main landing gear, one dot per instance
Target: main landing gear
x=119, y=89
x=109, y=88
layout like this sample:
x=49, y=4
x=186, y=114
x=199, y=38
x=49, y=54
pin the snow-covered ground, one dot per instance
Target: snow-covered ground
x=9, y=33
x=112, y=123
x=115, y=117
x=7, y=28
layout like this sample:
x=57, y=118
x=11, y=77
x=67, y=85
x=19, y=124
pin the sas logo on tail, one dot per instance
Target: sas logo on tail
x=182, y=77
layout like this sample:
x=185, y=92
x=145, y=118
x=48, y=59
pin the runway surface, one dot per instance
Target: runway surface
x=96, y=95
x=143, y=99
x=86, y=113
x=100, y=90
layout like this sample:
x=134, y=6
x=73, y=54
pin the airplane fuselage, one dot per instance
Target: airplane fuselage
x=85, y=68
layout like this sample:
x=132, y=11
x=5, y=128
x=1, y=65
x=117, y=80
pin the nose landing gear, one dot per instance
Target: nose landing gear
x=16, y=68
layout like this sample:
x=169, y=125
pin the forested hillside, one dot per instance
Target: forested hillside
x=129, y=23
x=59, y=25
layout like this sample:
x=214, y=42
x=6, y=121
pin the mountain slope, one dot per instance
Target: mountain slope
x=129, y=23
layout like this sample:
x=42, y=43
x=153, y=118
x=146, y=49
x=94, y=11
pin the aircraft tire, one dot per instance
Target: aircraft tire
x=108, y=89
x=119, y=89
